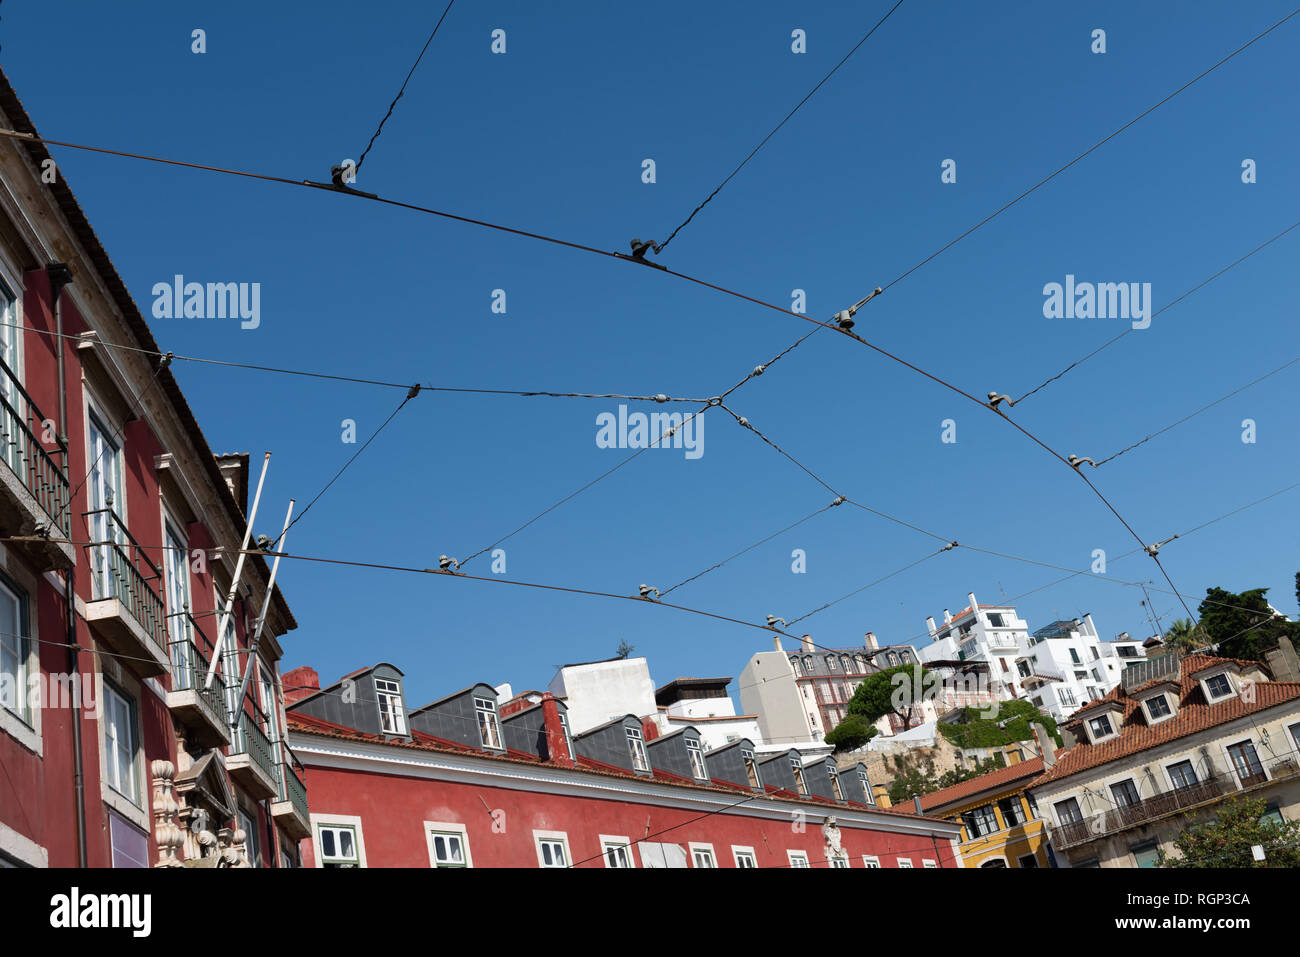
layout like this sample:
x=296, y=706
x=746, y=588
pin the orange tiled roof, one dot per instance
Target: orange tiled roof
x=998, y=777
x=1195, y=714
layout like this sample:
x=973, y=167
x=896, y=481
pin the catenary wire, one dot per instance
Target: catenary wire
x=777, y=128
x=1168, y=305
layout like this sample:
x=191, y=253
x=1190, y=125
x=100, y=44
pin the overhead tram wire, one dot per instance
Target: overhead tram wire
x=1204, y=408
x=1043, y=182
x=658, y=248
x=402, y=91
x=1169, y=305
x=424, y=387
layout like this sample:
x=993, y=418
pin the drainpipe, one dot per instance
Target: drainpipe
x=60, y=276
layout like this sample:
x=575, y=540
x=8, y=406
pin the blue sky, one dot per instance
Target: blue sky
x=551, y=137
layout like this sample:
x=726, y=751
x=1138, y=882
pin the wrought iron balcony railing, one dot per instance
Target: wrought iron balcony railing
x=292, y=788
x=22, y=425
x=120, y=569
x=190, y=663
x=250, y=739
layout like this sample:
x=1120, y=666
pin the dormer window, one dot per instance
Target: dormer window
x=830, y=662
x=796, y=768
x=697, y=759
x=489, y=729
x=866, y=787
x=1158, y=708
x=1218, y=687
x=794, y=663
x=1100, y=728
x=835, y=784
x=751, y=769
x=636, y=747
x=568, y=739
x=392, y=719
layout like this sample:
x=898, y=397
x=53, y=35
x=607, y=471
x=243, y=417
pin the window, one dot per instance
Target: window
x=794, y=663
x=337, y=846
x=830, y=662
x=928, y=864
x=1029, y=860
x=1295, y=734
x=617, y=852
x=751, y=770
x=1146, y=855
x=744, y=857
x=697, y=759
x=270, y=706
x=1013, y=812
x=1023, y=668
x=104, y=491
x=1100, y=727
x=824, y=693
x=248, y=824
x=389, y=695
x=796, y=768
x=1218, y=686
x=176, y=569
x=835, y=783
x=980, y=821
x=1074, y=656
x=905, y=862
x=130, y=845
x=1125, y=793
x=489, y=729
x=1182, y=774
x=1067, y=812
x=1246, y=763
x=568, y=740
x=636, y=746
x=870, y=862
x=1066, y=697
x=1126, y=651
x=1158, y=707
x=702, y=856
x=1272, y=815
x=797, y=858
x=840, y=862
x=121, y=744
x=995, y=620
x=15, y=649
x=448, y=848
x=866, y=787
x=552, y=849
x=1033, y=804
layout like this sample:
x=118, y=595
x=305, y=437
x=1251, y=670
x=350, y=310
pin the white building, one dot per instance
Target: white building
x=1059, y=667
x=703, y=704
x=599, y=691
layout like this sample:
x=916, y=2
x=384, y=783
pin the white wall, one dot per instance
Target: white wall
x=603, y=690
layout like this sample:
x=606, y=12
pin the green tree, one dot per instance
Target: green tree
x=1013, y=722
x=1243, y=625
x=911, y=777
x=899, y=691
x=1184, y=637
x=624, y=649
x=1227, y=840
x=851, y=733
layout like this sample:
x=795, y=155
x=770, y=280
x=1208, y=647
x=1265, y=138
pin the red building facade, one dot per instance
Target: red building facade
x=384, y=793
x=119, y=533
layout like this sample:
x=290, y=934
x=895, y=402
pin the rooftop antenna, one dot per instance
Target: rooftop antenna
x=261, y=620
x=234, y=582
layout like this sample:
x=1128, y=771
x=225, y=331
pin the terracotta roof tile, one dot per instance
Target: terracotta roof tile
x=1195, y=714
x=984, y=782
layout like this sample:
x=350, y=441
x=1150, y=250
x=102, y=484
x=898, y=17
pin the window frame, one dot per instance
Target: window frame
x=800, y=781
x=704, y=851
x=113, y=690
x=1173, y=782
x=616, y=841
x=636, y=749
x=741, y=851
x=337, y=822
x=905, y=863
x=695, y=754
x=871, y=862
x=395, y=700
x=487, y=707
x=798, y=859
x=1216, y=698
x=552, y=837
x=23, y=650
x=436, y=829
x=1152, y=717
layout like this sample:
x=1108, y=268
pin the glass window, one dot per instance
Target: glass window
x=745, y=859
x=697, y=759
x=798, y=858
x=1158, y=707
x=176, y=570
x=1013, y=812
x=568, y=741
x=104, y=494
x=830, y=662
x=617, y=855
x=1101, y=727
x=980, y=821
x=121, y=744
x=905, y=862
x=636, y=747
x=751, y=770
x=1219, y=686
x=14, y=651
x=338, y=846
x=870, y=862
x=1125, y=793
x=248, y=824
x=489, y=729
x=1246, y=763
x=702, y=857
x=553, y=852
x=448, y=849
x=1146, y=855
x=796, y=768
x=866, y=787
x=389, y=695
x=1182, y=774
x=1067, y=811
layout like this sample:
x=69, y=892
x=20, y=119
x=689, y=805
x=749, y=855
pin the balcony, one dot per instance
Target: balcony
x=202, y=711
x=250, y=762
x=1121, y=818
x=34, y=496
x=290, y=808
x=126, y=610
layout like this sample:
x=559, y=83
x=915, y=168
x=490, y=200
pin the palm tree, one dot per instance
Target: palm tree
x=1185, y=637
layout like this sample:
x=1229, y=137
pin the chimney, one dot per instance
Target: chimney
x=806, y=643
x=970, y=597
x=557, y=745
x=649, y=728
x=929, y=623
x=916, y=802
x=777, y=642
x=299, y=684
x=1046, y=746
x=871, y=641
x=947, y=617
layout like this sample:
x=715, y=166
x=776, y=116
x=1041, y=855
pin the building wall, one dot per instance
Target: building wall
x=392, y=809
x=768, y=689
x=604, y=690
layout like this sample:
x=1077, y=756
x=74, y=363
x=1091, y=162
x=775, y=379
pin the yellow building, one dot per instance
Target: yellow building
x=1000, y=823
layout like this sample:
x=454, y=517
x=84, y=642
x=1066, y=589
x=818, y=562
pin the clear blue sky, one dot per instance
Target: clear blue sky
x=551, y=137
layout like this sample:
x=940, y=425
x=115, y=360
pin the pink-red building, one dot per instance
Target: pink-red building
x=119, y=535
x=467, y=781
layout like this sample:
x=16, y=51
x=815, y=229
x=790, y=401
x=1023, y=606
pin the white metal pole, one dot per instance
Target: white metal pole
x=234, y=582
x=261, y=620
